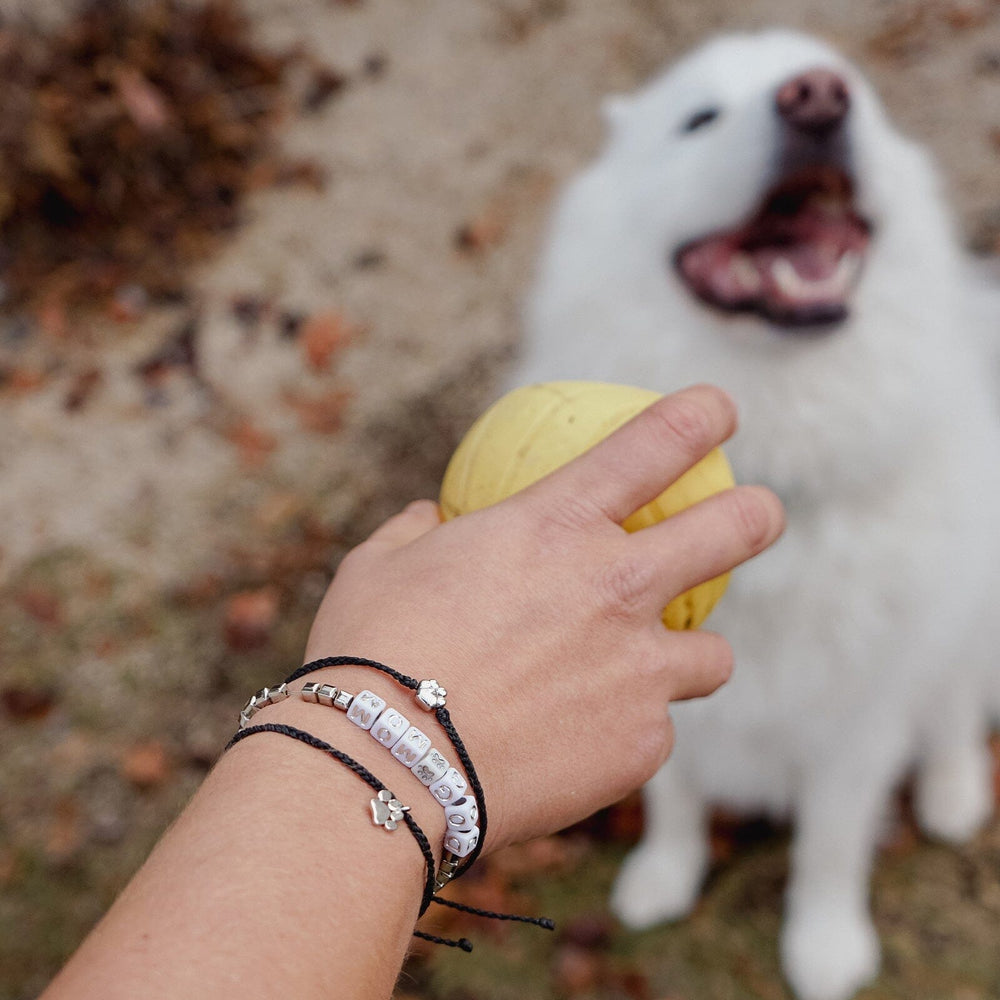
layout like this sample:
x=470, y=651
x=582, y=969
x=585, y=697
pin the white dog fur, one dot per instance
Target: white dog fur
x=863, y=639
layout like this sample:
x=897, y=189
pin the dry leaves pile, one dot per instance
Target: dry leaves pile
x=129, y=137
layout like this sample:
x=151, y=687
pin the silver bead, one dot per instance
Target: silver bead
x=280, y=693
x=446, y=871
x=387, y=810
x=309, y=692
x=262, y=698
x=430, y=695
x=326, y=693
x=342, y=700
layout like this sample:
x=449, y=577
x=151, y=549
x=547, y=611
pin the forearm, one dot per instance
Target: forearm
x=274, y=881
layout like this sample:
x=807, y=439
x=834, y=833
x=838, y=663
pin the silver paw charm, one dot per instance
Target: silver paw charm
x=387, y=810
x=430, y=695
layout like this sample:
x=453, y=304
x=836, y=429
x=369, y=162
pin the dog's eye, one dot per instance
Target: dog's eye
x=703, y=117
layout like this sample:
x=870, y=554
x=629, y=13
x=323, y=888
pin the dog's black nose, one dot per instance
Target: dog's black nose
x=815, y=101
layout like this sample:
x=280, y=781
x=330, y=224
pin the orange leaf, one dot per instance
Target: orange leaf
x=322, y=336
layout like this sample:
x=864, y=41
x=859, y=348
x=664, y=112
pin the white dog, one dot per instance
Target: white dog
x=755, y=221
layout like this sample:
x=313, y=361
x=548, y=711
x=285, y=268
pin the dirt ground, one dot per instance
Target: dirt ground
x=164, y=540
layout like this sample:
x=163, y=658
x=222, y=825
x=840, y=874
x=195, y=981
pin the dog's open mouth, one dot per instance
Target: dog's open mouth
x=795, y=261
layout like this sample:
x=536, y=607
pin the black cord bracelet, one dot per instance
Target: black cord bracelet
x=444, y=720
x=365, y=775
x=428, y=693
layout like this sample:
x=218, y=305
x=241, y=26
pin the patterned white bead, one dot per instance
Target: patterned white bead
x=365, y=709
x=461, y=843
x=452, y=786
x=462, y=815
x=411, y=747
x=431, y=767
x=389, y=727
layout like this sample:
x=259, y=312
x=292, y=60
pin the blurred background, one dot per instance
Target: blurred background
x=261, y=263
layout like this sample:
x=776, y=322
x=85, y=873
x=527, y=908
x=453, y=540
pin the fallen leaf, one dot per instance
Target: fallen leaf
x=249, y=618
x=23, y=380
x=322, y=336
x=963, y=14
x=482, y=233
x=634, y=985
x=309, y=173
x=41, y=603
x=143, y=101
x=178, y=350
x=81, y=389
x=128, y=304
x=145, y=765
x=324, y=413
x=575, y=970
x=64, y=836
x=253, y=443
x=27, y=703
x=249, y=310
x=8, y=865
x=590, y=931
x=52, y=319
x=324, y=82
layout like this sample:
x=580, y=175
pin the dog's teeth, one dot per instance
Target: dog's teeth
x=794, y=285
x=746, y=273
x=849, y=266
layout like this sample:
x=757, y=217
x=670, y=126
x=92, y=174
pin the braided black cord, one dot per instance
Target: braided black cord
x=362, y=772
x=545, y=922
x=443, y=718
x=464, y=943
x=351, y=661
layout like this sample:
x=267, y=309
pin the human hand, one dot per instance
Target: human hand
x=541, y=616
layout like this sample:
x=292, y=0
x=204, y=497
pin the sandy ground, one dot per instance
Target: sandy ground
x=480, y=111
x=460, y=116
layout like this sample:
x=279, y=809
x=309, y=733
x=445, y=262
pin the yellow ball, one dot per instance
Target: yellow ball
x=534, y=430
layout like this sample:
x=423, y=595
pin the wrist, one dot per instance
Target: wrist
x=332, y=726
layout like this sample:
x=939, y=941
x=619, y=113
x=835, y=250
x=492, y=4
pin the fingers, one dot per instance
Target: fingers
x=409, y=524
x=641, y=459
x=710, y=538
x=702, y=663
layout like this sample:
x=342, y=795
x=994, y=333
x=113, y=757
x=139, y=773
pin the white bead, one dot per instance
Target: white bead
x=431, y=767
x=389, y=727
x=365, y=709
x=462, y=815
x=461, y=843
x=452, y=786
x=411, y=747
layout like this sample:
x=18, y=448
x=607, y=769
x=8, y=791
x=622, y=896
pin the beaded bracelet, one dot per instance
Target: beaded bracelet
x=463, y=837
x=431, y=697
x=412, y=748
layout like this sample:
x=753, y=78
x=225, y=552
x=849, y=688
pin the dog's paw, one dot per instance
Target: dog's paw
x=829, y=954
x=658, y=883
x=954, y=795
